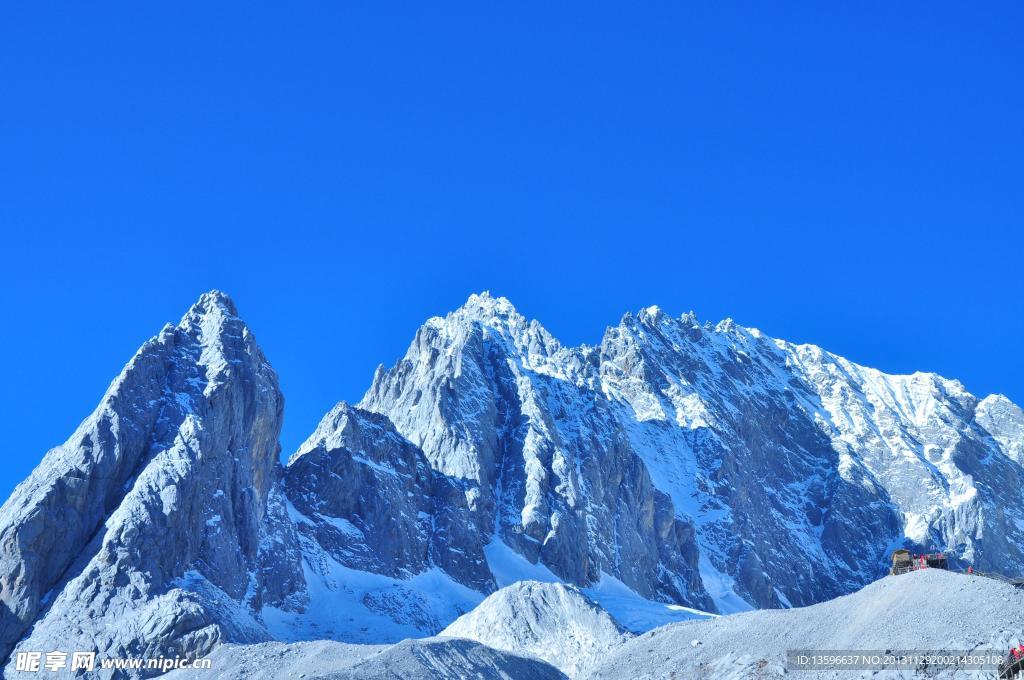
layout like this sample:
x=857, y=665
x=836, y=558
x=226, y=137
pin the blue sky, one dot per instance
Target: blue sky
x=845, y=174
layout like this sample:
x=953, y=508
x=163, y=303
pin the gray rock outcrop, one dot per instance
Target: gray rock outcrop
x=140, y=536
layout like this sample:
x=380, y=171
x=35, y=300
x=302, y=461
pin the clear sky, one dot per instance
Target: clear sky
x=848, y=174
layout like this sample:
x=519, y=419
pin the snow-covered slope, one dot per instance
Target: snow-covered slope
x=552, y=621
x=924, y=610
x=432, y=658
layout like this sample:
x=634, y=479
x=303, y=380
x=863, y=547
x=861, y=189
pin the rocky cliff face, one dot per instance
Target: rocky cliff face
x=690, y=459
x=496, y=402
x=369, y=498
x=140, y=536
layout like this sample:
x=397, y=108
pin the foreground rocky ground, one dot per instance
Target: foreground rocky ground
x=926, y=610
x=551, y=631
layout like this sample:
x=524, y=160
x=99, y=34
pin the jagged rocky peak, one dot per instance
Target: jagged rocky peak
x=494, y=401
x=483, y=309
x=212, y=304
x=151, y=514
x=652, y=335
x=330, y=431
x=444, y=381
x=502, y=322
x=486, y=306
x=651, y=316
x=368, y=498
x=1004, y=420
x=363, y=493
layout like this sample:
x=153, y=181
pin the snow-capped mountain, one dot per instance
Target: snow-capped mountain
x=494, y=401
x=701, y=463
x=672, y=468
x=142, y=534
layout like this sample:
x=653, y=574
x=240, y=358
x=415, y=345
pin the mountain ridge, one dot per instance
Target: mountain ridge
x=701, y=375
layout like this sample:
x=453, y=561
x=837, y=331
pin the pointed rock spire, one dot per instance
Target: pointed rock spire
x=158, y=495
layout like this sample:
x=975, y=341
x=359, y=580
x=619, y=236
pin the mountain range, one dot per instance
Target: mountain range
x=675, y=470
